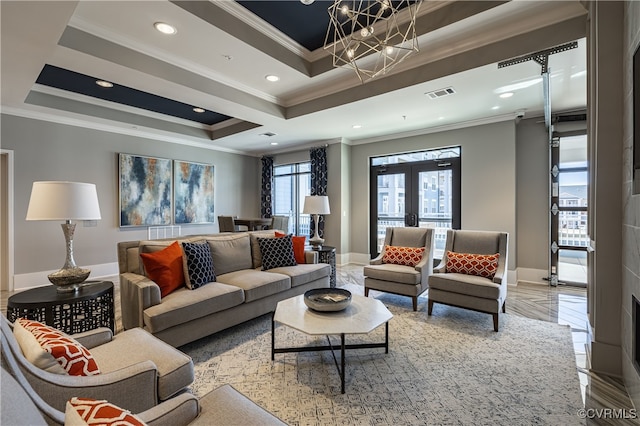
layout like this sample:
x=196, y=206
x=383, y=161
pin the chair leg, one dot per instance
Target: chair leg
x=504, y=307
x=366, y=292
x=429, y=307
x=495, y=322
x=415, y=303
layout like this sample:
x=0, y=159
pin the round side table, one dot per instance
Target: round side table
x=327, y=254
x=88, y=308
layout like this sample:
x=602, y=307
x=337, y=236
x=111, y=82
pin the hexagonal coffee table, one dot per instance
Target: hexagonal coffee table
x=361, y=317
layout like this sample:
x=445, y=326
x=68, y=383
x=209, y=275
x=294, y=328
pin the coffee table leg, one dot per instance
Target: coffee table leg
x=386, y=337
x=273, y=339
x=342, y=360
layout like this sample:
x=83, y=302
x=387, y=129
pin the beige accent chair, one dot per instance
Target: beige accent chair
x=21, y=405
x=137, y=369
x=280, y=223
x=469, y=291
x=400, y=279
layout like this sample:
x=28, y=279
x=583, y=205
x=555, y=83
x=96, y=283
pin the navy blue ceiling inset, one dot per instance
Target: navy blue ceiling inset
x=86, y=85
x=305, y=24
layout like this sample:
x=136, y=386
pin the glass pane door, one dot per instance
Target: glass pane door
x=390, y=203
x=435, y=204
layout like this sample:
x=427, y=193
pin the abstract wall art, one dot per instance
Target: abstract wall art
x=193, y=192
x=145, y=190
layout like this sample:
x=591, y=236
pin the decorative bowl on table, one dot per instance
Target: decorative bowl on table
x=327, y=299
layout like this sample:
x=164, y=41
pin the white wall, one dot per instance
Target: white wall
x=49, y=151
x=488, y=179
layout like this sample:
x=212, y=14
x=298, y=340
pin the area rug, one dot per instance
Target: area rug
x=450, y=368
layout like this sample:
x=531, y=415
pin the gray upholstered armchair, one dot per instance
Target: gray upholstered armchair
x=137, y=369
x=472, y=290
x=389, y=275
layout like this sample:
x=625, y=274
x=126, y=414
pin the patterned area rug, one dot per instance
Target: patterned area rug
x=447, y=369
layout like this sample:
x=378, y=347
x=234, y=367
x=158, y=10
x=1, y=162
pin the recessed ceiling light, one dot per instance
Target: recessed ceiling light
x=440, y=118
x=198, y=110
x=357, y=126
x=495, y=107
x=506, y=95
x=272, y=78
x=103, y=83
x=165, y=28
x=274, y=143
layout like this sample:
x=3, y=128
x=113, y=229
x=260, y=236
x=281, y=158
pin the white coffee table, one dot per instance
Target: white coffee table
x=361, y=317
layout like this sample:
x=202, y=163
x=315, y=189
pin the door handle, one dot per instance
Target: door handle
x=411, y=219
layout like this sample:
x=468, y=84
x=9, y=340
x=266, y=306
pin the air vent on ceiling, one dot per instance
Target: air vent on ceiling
x=440, y=93
x=268, y=134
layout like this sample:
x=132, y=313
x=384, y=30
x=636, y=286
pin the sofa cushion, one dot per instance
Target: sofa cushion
x=198, y=264
x=298, y=246
x=52, y=350
x=231, y=252
x=164, y=267
x=409, y=256
x=86, y=411
x=256, y=283
x=305, y=273
x=482, y=265
x=391, y=272
x=276, y=252
x=256, y=256
x=184, y=305
x=471, y=285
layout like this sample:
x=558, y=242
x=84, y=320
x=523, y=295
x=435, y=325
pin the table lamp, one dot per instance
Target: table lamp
x=316, y=205
x=65, y=201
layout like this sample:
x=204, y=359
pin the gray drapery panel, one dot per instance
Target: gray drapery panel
x=318, y=158
x=266, y=197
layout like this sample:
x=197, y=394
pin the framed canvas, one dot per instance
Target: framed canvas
x=193, y=192
x=145, y=190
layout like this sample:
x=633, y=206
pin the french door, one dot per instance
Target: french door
x=420, y=194
x=569, y=205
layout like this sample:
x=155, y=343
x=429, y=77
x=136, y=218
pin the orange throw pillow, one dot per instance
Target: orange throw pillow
x=408, y=256
x=482, y=265
x=86, y=411
x=298, y=247
x=165, y=268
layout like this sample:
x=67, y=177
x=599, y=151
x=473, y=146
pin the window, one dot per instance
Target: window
x=292, y=182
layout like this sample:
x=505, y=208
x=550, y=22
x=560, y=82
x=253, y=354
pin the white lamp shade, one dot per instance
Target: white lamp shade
x=63, y=201
x=316, y=204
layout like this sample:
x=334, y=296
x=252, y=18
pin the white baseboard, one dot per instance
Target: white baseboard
x=355, y=259
x=39, y=279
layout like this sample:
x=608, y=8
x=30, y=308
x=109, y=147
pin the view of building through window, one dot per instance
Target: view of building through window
x=292, y=182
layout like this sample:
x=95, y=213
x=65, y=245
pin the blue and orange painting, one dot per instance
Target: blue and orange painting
x=145, y=191
x=193, y=198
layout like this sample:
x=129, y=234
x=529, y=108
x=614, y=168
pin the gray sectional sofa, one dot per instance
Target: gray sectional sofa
x=242, y=290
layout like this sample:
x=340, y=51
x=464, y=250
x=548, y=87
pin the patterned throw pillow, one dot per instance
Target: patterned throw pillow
x=86, y=411
x=482, y=265
x=298, y=246
x=409, y=256
x=52, y=350
x=165, y=268
x=276, y=252
x=198, y=264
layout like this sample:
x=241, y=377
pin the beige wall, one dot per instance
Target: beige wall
x=631, y=205
x=48, y=151
x=488, y=179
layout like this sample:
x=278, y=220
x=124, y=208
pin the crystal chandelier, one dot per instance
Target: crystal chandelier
x=371, y=36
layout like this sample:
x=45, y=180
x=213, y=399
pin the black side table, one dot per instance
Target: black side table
x=327, y=254
x=75, y=312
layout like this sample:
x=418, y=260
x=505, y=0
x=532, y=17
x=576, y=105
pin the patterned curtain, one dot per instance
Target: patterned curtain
x=318, y=182
x=266, y=197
